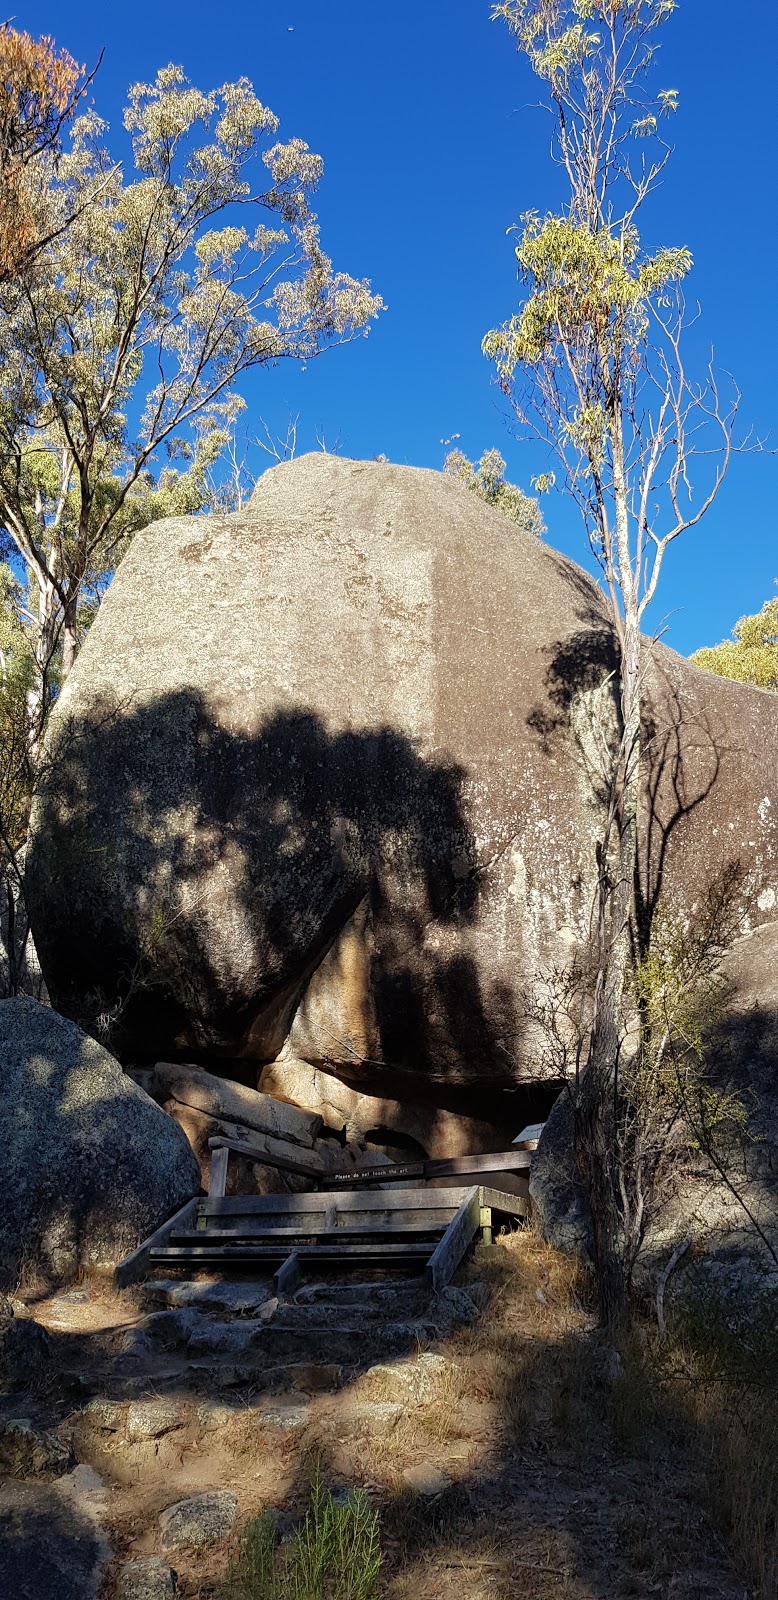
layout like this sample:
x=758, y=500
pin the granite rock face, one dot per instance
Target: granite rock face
x=90, y=1165
x=326, y=776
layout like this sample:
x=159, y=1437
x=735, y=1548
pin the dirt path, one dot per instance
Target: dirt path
x=510, y=1454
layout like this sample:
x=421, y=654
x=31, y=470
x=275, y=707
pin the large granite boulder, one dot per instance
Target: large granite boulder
x=89, y=1164
x=328, y=776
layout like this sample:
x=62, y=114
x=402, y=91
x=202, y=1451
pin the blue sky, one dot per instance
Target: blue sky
x=424, y=116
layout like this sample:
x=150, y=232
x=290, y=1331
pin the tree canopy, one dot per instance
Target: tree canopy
x=122, y=342
x=751, y=655
x=486, y=478
x=40, y=87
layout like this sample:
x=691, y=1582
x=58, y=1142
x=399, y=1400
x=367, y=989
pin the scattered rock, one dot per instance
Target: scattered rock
x=315, y=1377
x=286, y=1417
x=410, y=1382
x=454, y=1307
x=426, y=1479
x=29, y=1452
x=171, y=1329
x=211, y=1415
x=150, y=1419
x=237, y=1299
x=203, y=1520
x=378, y=1416
x=146, y=1578
x=135, y=1344
x=104, y=1415
x=225, y=1338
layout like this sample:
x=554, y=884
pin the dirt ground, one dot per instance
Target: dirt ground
x=520, y=1457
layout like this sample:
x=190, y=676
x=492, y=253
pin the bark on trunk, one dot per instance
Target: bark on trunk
x=69, y=638
x=597, y=1122
x=44, y=646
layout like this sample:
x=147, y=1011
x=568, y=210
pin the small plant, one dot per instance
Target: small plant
x=335, y=1553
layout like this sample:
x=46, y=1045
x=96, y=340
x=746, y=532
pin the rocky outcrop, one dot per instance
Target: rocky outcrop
x=185, y=1085
x=328, y=774
x=90, y=1165
x=376, y=1119
x=206, y=1107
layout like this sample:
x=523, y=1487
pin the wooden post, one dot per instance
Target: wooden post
x=217, y=1186
x=286, y=1279
x=487, y=1236
x=448, y=1253
x=134, y=1267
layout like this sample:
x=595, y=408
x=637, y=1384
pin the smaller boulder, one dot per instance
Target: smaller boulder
x=29, y=1452
x=146, y=1578
x=90, y=1166
x=426, y=1479
x=559, y=1205
x=150, y=1419
x=203, y=1520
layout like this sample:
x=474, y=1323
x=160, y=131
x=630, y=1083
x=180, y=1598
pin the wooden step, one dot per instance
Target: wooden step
x=379, y=1254
x=252, y=1234
x=384, y=1200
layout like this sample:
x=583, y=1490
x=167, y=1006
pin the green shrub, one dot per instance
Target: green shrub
x=335, y=1554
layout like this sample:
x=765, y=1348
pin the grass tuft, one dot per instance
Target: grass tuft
x=334, y=1554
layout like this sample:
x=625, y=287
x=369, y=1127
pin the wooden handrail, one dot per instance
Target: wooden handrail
x=221, y=1152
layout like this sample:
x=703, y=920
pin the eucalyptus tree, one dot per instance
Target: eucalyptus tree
x=486, y=479
x=751, y=655
x=593, y=364
x=122, y=344
x=40, y=88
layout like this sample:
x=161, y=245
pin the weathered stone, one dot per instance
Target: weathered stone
x=409, y=1382
x=372, y=1416
x=135, y=1344
x=426, y=1479
x=51, y=1543
x=203, y=1520
x=290, y=1416
x=234, y=1102
x=231, y=1339
x=150, y=1419
x=25, y=1345
x=146, y=1578
x=107, y=1416
x=362, y=819
x=245, y=1175
x=436, y=1131
x=30, y=1452
x=212, y=1415
x=170, y=1329
x=454, y=1307
x=559, y=1205
x=89, y=1165
x=236, y=1298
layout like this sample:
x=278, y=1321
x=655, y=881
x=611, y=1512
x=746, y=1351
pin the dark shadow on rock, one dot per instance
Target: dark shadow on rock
x=681, y=766
x=49, y=1550
x=191, y=901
